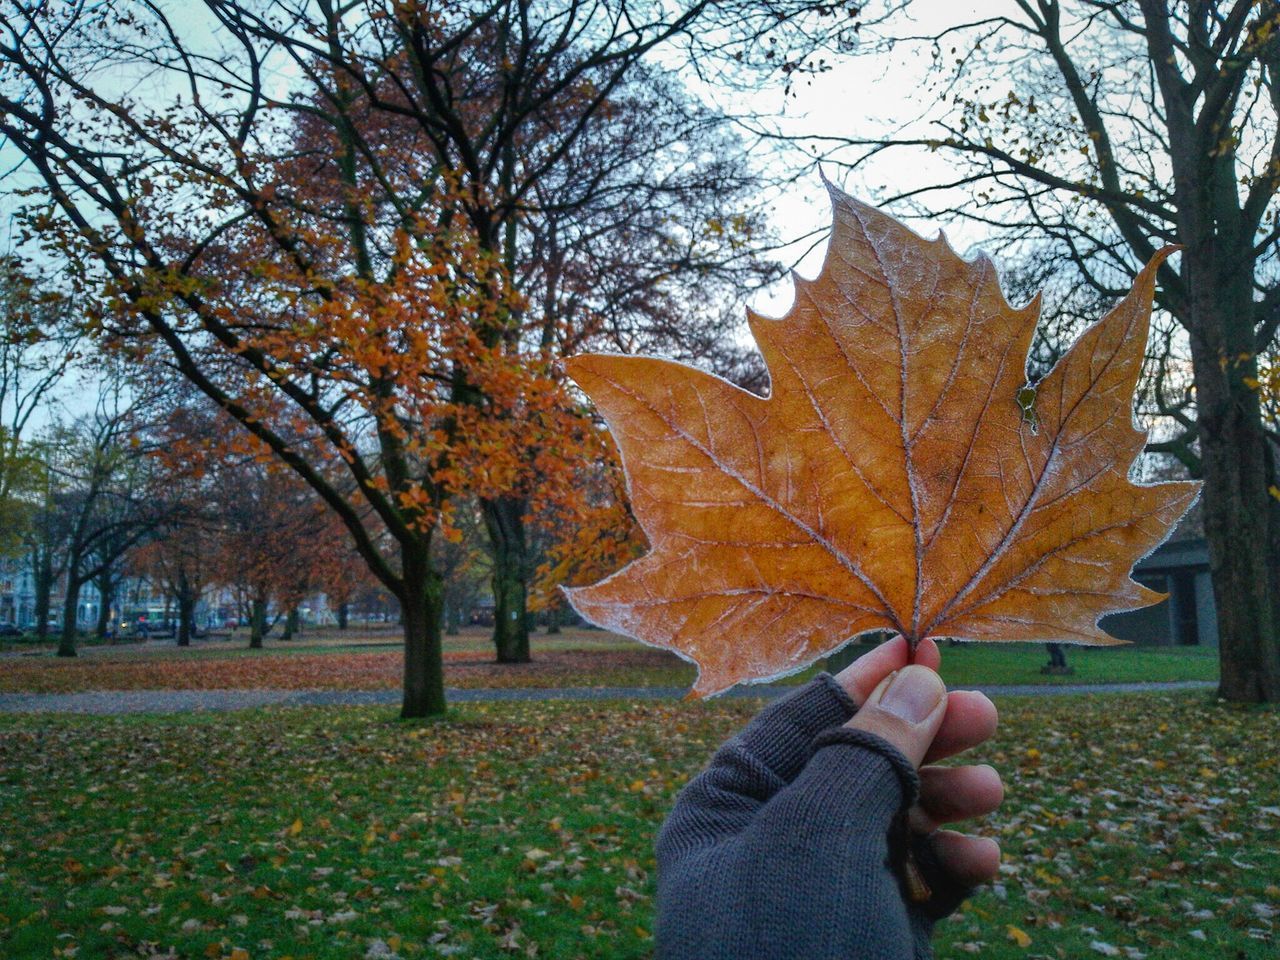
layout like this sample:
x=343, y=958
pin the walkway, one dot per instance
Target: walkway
x=191, y=701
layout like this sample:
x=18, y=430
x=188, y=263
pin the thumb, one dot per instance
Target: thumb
x=906, y=709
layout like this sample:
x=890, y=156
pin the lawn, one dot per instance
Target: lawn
x=574, y=658
x=1134, y=826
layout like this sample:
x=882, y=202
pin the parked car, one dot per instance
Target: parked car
x=9, y=630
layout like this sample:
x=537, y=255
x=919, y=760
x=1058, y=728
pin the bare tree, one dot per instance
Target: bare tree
x=105, y=502
x=38, y=345
x=1094, y=132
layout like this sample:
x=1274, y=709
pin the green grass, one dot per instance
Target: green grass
x=999, y=664
x=509, y=827
x=974, y=665
x=971, y=664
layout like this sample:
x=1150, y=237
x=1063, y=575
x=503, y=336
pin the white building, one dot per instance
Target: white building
x=18, y=597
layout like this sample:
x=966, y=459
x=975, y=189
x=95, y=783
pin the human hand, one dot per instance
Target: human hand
x=907, y=705
x=793, y=844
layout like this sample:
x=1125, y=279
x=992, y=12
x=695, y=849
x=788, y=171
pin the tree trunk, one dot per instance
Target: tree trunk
x=44, y=590
x=1236, y=466
x=504, y=520
x=186, y=609
x=553, y=618
x=344, y=613
x=106, y=591
x=70, y=603
x=421, y=607
x=257, y=623
x=292, y=624
x=453, y=618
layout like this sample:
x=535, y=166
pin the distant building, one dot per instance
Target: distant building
x=17, y=593
x=18, y=597
x=482, y=612
x=1188, y=617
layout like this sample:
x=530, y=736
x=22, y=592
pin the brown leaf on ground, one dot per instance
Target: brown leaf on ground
x=382, y=670
x=901, y=474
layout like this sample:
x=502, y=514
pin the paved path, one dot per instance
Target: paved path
x=190, y=701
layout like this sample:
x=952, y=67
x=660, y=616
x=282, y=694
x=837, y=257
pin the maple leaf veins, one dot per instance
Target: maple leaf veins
x=892, y=479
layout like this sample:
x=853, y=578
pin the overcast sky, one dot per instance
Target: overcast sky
x=859, y=96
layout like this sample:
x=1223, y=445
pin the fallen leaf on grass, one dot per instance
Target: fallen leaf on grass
x=1125, y=844
x=383, y=670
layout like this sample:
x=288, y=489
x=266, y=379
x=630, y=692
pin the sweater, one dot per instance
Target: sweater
x=791, y=844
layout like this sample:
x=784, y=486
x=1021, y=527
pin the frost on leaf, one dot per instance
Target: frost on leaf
x=902, y=474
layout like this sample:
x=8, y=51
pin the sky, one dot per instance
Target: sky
x=860, y=95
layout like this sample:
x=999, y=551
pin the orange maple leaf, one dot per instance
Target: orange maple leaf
x=901, y=474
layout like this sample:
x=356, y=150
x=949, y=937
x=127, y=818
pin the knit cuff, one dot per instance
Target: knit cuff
x=902, y=767
x=945, y=893
x=781, y=736
x=899, y=833
x=838, y=693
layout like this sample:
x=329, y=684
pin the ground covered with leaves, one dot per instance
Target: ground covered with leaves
x=1134, y=826
x=574, y=659
x=337, y=670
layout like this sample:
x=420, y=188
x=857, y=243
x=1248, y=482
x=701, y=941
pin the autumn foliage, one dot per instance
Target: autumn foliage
x=374, y=352
x=365, y=233
x=901, y=474
x=587, y=531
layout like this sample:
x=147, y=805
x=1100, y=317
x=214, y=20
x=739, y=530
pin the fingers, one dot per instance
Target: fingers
x=948, y=794
x=966, y=859
x=902, y=700
x=970, y=720
x=970, y=717
x=906, y=709
x=928, y=655
x=862, y=676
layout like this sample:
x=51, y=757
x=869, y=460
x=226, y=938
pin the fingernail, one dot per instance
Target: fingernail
x=913, y=694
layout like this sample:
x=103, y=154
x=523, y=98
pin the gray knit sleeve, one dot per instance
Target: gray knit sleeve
x=785, y=846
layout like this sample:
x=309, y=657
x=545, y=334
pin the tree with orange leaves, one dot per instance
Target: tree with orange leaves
x=337, y=570
x=587, y=535
x=179, y=560
x=269, y=526
x=347, y=293
x=239, y=520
